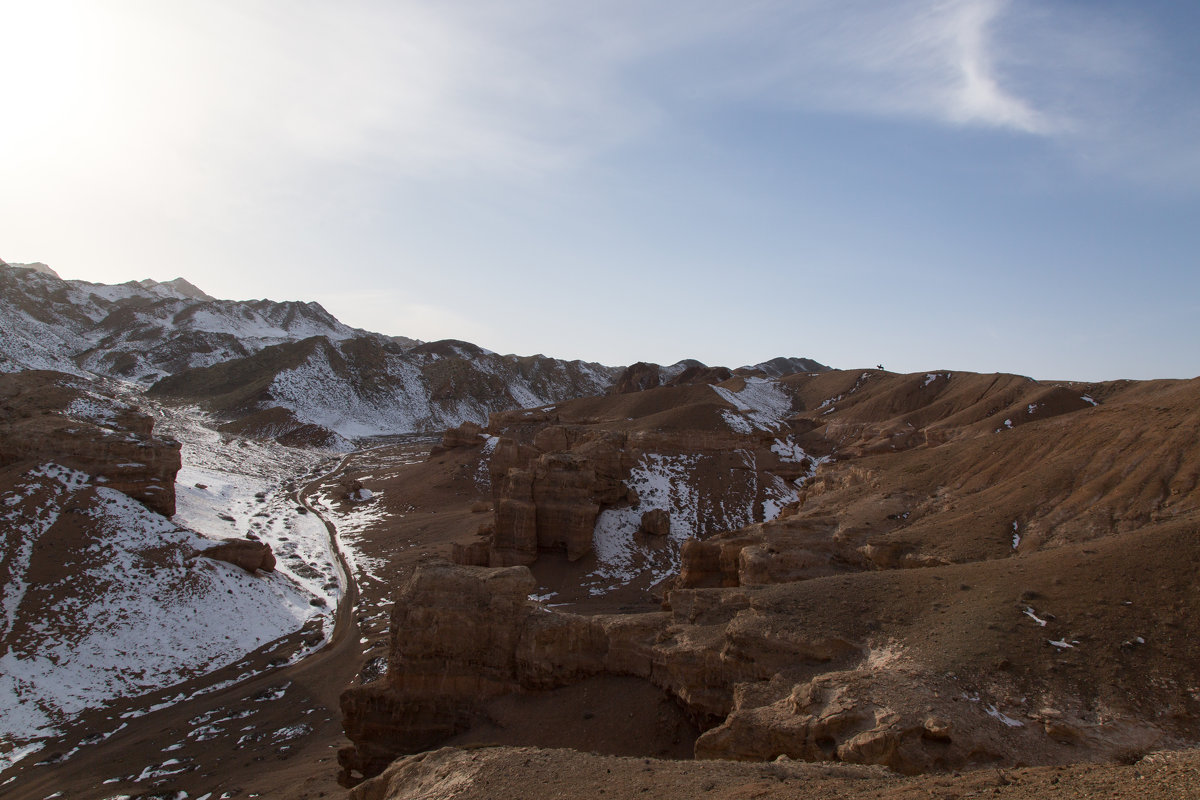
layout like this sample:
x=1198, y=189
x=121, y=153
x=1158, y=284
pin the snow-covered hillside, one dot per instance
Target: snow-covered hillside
x=104, y=600
x=359, y=387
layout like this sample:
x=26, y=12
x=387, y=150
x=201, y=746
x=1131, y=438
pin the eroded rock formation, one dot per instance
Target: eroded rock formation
x=554, y=471
x=47, y=418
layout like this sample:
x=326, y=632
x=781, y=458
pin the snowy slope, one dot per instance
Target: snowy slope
x=761, y=404
x=361, y=387
x=408, y=397
x=244, y=358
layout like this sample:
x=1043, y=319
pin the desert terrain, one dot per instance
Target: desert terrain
x=780, y=580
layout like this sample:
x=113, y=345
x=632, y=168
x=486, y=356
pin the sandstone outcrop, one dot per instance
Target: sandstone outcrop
x=552, y=500
x=656, y=522
x=638, y=378
x=470, y=634
x=462, y=632
x=468, y=434
x=794, y=669
x=554, y=472
x=699, y=374
x=643, y=376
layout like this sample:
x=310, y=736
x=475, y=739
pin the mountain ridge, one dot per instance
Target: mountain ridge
x=285, y=369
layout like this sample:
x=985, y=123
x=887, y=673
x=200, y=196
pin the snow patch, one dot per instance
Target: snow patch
x=761, y=405
x=97, y=410
x=995, y=713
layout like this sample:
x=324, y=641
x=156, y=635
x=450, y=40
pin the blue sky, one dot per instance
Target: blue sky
x=976, y=185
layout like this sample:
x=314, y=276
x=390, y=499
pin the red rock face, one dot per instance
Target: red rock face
x=638, y=378
x=656, y=522
x=468, y=434
x=46, y=418
x=459, y=651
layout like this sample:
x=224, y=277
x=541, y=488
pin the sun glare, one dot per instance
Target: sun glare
x=43, y=62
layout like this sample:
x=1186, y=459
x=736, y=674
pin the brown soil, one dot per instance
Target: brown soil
x=619, y=716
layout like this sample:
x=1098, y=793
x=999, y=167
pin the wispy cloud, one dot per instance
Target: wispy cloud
x=977, y=94
x=194, y=99
x=464, y=87
x=937, y=61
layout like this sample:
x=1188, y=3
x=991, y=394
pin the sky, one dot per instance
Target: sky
x=982, y=185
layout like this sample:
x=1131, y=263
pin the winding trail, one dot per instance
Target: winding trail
x=311, y=685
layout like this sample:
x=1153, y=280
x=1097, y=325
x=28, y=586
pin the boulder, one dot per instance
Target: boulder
x=468, y=434
x=249, y=555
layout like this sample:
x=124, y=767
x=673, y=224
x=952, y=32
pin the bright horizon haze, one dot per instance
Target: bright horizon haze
x=983, y=185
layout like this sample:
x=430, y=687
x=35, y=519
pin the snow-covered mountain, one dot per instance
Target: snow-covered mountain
x=291, y=371
x=140, y=330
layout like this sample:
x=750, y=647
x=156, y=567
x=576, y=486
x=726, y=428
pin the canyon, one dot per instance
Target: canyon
x=252, y=551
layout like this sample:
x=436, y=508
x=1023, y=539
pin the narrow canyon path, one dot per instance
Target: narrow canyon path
x=240, y=740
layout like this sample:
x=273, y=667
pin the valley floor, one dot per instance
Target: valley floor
x=271, y=717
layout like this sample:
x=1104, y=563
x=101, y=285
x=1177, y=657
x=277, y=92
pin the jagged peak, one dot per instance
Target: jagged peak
x=180, y=286
x=788, y=365
x=36, y=266
x=188, y=289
